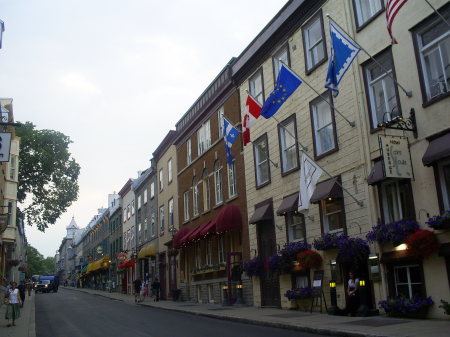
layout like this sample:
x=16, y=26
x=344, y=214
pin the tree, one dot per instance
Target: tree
x=36, y=263
x=48, y=176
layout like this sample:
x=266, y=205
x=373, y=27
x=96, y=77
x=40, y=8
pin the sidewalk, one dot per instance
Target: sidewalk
x=25, y=325
x=378, y=326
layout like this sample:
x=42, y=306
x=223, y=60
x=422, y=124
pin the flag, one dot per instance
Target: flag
x=230, y=134
x=287, y=82
x=2, y=29
x=253, y=109
x=310, y=172
x=392, y=8
x=343, y=52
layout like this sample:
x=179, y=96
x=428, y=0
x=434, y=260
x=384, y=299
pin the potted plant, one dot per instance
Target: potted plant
x=395, y=232
x=446, y=306
x=440, y=221
x=309, y=259
x=253, y=267
x=279, y=264
x=353, y=250
x=422, y=244
x=416, y=307
x=328, y=241
x=297, y=296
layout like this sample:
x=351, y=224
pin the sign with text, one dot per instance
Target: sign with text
x=396, y=157
x=5, y=146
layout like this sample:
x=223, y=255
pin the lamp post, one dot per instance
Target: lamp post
x=333, y=310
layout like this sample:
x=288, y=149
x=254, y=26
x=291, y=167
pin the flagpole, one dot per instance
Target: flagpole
x=439, y=14
x=407, y=93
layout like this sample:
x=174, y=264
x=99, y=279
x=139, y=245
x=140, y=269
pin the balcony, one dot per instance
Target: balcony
x=9, y=235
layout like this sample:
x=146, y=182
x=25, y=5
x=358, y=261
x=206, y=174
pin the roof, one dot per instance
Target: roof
x=165, y=144
x=72, y=224
x=125, y=188
x=143, y=177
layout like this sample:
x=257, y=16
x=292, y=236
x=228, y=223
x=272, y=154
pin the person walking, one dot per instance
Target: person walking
x=13, y=307
x=137, y=290
x=155, y=289
x=29, y=286
x=22, y=289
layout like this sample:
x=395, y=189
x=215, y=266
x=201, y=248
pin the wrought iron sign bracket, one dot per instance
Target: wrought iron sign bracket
x=398, y=123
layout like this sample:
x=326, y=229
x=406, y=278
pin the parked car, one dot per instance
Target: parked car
x=46, y=284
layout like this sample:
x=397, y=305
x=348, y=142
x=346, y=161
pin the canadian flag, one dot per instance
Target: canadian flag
x=252, y=112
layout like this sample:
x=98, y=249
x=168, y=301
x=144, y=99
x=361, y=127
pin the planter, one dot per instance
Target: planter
x=443, y=225
x=302, y=304
x=419, y=314
x=440, y=222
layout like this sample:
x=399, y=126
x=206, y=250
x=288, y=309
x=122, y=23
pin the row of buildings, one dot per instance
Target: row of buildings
x=191, y=219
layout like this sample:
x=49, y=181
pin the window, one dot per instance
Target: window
x=396, y=200
x=161, y=179
x=314, y=43
x=132, y=236
x=208, y=252
x=198, y=257
x=139, y=234
x=196, y=197
x=153, y=225
x=232, y=188
x=171, y=213
x=261, y=158
x=161, y=220
x=12, y=167
x=204, y=138
x=145, y=196
x=189, y=151
x=332, y=215
x=443, y=169
x=432, y=46
x=169, y=170
x=186, y=205
x=221, y=247
x=281, y=56
x=323, y=126
x=383, y=100
x=220, y=122
x=139, y=202
x=287, y=133
x=128, y=212
x=295, y=224
x=206, y=191
x=132, y=207
x=218, y=182
x=365, y=10
x=408, y=281
x=255, y=83
x=124, y=215
x=152, y=190
x=145, y=229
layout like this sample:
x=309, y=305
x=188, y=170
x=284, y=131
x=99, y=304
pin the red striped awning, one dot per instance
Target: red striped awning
x=229, y=219
x=210, y=228
x=183, y=231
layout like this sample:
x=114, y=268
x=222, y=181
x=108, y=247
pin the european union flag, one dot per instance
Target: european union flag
x=287, y=82
x=343, y=52
x=230, y=134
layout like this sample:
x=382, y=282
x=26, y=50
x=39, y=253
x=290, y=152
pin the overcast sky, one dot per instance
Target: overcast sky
x=115, y=76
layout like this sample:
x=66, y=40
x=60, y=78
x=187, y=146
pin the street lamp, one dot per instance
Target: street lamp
x=363, y=309
x=333, y=310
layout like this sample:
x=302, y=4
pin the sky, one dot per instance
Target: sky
x=115, y=76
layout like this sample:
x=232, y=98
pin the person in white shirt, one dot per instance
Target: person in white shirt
x=352, y=294
x=13, y=308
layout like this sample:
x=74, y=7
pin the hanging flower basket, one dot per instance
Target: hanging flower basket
x=440, y=222
x=279, y=264
x=395, y=232
x=416, y=307
x=309, y=259
x=253, y=267
x=328, y=241
x=422, y=244
x=353, y=250
x=290, y=251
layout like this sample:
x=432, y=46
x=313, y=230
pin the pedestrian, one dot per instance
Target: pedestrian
x=22, y=289
x=137, y=290
x=352, y=294
x=155, y=289
x=29, y=286
x=13, y=308
x=142, y=291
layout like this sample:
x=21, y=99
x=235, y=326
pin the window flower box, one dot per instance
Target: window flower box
x=395, y=232
x=416, y=307
x=440, y=222
x=328, y=241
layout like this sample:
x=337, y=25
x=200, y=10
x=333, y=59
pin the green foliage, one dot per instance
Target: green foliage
x=48, y=175
x=36, y=263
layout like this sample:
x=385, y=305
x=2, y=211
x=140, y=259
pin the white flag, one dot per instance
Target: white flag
x=309, y=174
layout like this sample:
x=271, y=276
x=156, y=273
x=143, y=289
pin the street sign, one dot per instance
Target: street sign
x=396, y=157
x=5, y=146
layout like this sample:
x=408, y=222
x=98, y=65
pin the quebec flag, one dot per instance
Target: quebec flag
x=230, y=134
x=343, y=52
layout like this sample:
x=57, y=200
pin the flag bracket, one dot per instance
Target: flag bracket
x=399, y=123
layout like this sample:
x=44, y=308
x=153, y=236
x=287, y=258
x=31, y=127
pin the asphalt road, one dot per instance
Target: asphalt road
x=75, y=314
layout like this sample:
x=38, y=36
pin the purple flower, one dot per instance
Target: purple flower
x=403, y=305
x=290, y=251
x=353, y=249
x=328, y=241
x=253, y=267
x=298, y=293
x=395, y=232
x=437, y=221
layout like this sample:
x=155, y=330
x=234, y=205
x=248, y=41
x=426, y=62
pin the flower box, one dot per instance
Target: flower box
x=328, y=241
x=416, y=307
x=395, y=232
x=440, y=222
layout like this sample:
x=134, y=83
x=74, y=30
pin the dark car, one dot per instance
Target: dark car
x=47, y=284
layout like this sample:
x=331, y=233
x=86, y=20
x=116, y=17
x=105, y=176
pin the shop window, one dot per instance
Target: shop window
x=408, y=281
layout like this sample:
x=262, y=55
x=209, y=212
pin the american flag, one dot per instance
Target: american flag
x=392, y=8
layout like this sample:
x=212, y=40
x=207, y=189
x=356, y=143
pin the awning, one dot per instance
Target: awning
x=444, y=249
x=98, y=264
x=438, y=148
x=148, y=250
x=289, y=204
x=179, y=235
x=326, y=189
x=84, y=269
x=210, y=228
x=195, y=233
x=126, y=264
x=229, y=219
x=377, y=174
x=263, y=212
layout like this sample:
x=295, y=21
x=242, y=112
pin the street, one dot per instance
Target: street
x=76, y=314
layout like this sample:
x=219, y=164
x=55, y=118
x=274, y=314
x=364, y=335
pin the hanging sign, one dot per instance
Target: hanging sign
x=396, y=157
x=5, y=146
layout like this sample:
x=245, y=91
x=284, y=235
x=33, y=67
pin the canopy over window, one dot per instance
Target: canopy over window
x=263, y=212
x=439, y=148
x=376, y=175
x=179, y=235
x=229, y=219
x=148, y=250
x=327, y=189
x=289, y=204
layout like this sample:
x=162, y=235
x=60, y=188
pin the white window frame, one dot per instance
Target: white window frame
x=326, y=215
x=132, y=207
x=312, y=59
x=318, y=145
x=124, y=215
x=375, y=7
x=161, y=220
x=206, y=193
x=218, y=183
x=161, y=179
x=128, y=212
x=256, y=86
x=293, y=221
x=204, y=138
x=189, y=151
x=139, y=202
x=260, y=162
x=171, y=218
x=12, y=167
x=153, y=225
x=409, y=282
x=232, y=179
x=169, y=171
x=220, y=114
x=152, y=190
x=196, y=198
x=284, y=134
x=283, y=55
x=186, y=205
x=145, y=196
